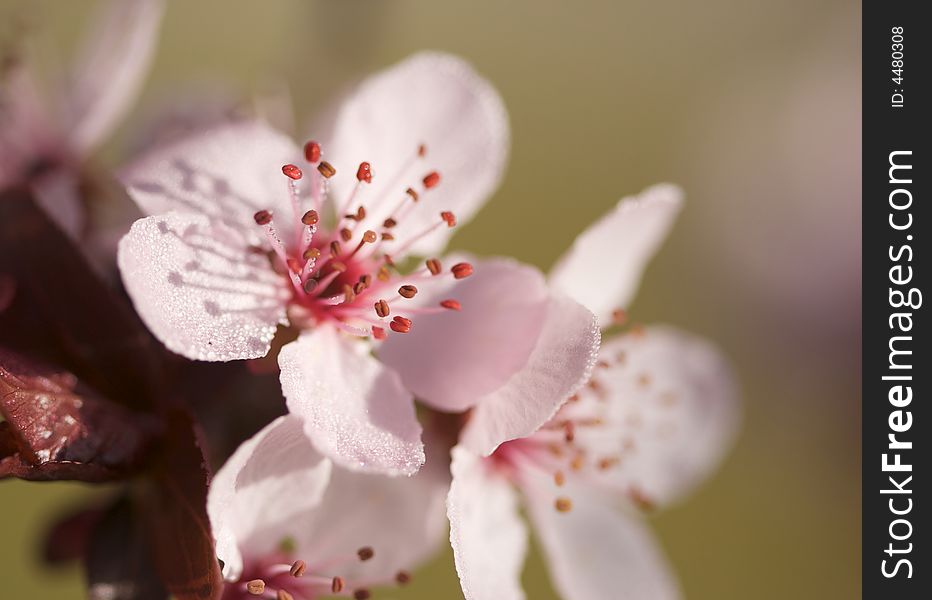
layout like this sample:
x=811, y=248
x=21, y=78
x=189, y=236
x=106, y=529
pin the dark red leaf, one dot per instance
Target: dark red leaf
x=57, y=429
x=68, y=537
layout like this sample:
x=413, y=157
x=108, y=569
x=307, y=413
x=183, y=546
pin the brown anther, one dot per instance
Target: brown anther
x=370, y=236
x=378, y=333
x=312, y=151
x=569, y=432
x=449, y=217
x=400, y=325
x=402, y=578
x=335, y=248
x=366, y=552
x=359, y=287
x=383, y=274
x=366, y=279
x=407, y=291
x=641, y=500
x=348, y=293
x=578, y=462
x=461, y=270
x=364, y=172
x=361, y=594
x=619, y=316
x=422, y=150
x=345, y=234
x=283, y=595
x=563, y=504
x=336, y=586
x=451, y=304
x=326, y=169
x=431, y=179
x=382, y=309
x=310, y=285
x=292, y=172
x=607, y=463
x=338, y=266
x=559, y=478
x=263, y=217
x=602, y=364
x=310, y=218
x=434, y=266
x=311, y=254
x=360, y=213
x=389, y=261
x=389, y=223
x=256, y=587
x=412, y=193
x=387, y=236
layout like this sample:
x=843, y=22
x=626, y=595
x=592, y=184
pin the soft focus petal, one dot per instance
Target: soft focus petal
x=671, y=401
x=488, y=537
x=596, y=552
x=272, y=479
x=603, y=268
x=226, y=173
x=28, y=137
x=433, y=99
x=451, y=359
x=199, y=290
x=355, y=409
x=58, y=193
x=111, y=69
x=560, y=364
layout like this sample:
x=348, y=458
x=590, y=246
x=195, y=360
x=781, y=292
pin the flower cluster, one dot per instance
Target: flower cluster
x=422, y=392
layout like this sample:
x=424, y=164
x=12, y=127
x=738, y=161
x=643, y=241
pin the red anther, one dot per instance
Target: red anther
x=461, y=270
x=407, y=291
x=369, y=236
x=310, y=218
x=402, y=578
x=431, y=179
x=336, y=586
x=326, y=169
x=312, y=151
x=389, y=223
x=382, y=309
x=365, y=553
x=412, y=193
x=292, y=171
x=361, y=594
x=364, y=172
x=449, y=217
x=399, y=325
x=434, y=266
x=451, y=304
x=422, y=150
x=378, y=333
x=263, y=217
x=346, y=235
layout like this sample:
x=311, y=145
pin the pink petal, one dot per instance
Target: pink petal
x=226, y=173
x=561, y=362
x=488, y=536
x=199, y=290
x=432, y=99
x=594, y=551
x=58, y=193
x=451, y=359
x=603, y=268
x=670, y=400
x=112, y=68
x=355, y=409
x=271, y=480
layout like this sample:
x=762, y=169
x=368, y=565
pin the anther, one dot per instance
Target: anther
x=312, y=151
x=378, y=333
x=461, y=270
x=283, y=595
x=412, y=193
x=361, y=594
x=559, y=478
x=407, y=291
x=311, y=254
x=326, y=169
x=310, y=285
x=389, y=223
x=640, y=499
x=292, y=172
x=383, y=274
x=294, y=264
x=263, y=217
x=256, y=587
x=569, y=432
x=382, y=309
x=400, y=325
x=346, y=235
x=359, y=287
x=369, y=236
x=431, y=179
x=387, y=236
x=366, y=552
x=360, y=214
x=335, y=248
x=310, y=218
x=422, y=150
x=451, y=304
x=449, y=217
x=434, y=266
x=338, y=266
x=364, y=172
x=402, y=578
x=563, y=504
x=336, y=586
x=348, y=293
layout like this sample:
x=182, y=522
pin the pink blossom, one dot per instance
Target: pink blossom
x=45, y=135
x=654, y=419
x=250, y=234
x=286, y=521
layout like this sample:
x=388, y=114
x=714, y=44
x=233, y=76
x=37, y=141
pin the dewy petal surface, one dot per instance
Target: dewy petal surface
x=489, y=538
x=451, y=359
x=272, y=479
x=596, y=552
x=603, y=268
x=111, y=69
x=199, y=290
x=433, y=99
x=354, y=408
x=560, y=363
x=226, y=173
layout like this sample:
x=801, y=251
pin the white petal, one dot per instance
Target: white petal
x=227, y=173
x=488, y=537
x=199, y=289
x=112, y=67
x=433, y=99
x=271, y=480
x=603, y=268
x=595, y=552
x=354, y=408
x=561, y=362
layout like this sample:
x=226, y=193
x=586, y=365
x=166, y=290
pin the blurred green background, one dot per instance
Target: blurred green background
x=753, y=106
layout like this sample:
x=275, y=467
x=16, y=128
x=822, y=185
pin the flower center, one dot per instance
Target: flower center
x=339, y=263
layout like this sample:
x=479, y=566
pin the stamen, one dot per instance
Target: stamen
x=361, y=594
x=326, y=169
x=431, y=180
x=563, y=504
x=337, y=585
x=389, y=223
x=412, y=194
x=335, y=249
x=263, y=217
x=559, y=478
x=407, y=291
x=310, y=218
x=292, y=172
x=400, y=325
x=461, y=270
x=451, y=304
x=366, y=552
x=256, y=587
x=402, y=578
x=382, y=309
x=378, y=333
x=346, y=235
x=312, y=152
x=283, y=595
x=310, y=284
x=434, y=266
x=364, y=172
x=422, y=150
x=449, y=217
x=388, y=237
x=348, y=294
